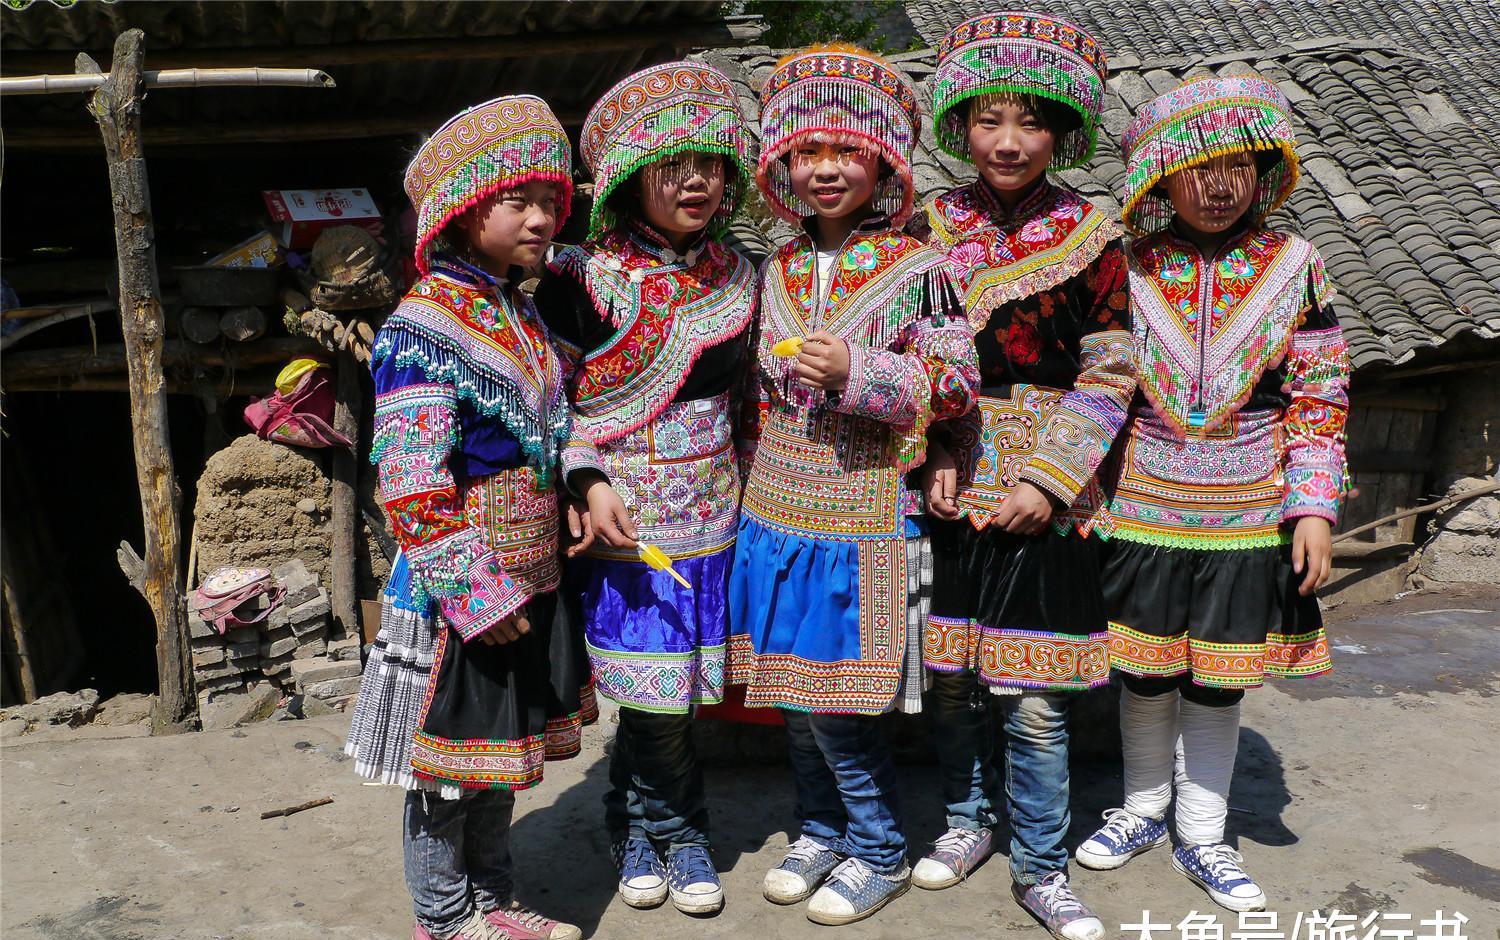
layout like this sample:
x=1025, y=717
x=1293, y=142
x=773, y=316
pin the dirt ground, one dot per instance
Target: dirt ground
x=1373, y=789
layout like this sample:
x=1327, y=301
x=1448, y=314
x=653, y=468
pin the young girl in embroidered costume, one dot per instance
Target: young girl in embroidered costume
x=818, y=592
x=474, y=680
x=1233, y=467
x=654, y=308
x=1017, y=604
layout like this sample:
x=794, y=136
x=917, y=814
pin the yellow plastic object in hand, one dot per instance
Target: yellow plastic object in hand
x=656, y=558
x=787, y=347
x=286, y=381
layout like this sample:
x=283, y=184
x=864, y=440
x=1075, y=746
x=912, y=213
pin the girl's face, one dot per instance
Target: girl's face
x=513, y=227
x=1009, y=144
x=680, y=194
x=1213, y=196
x=836, y=179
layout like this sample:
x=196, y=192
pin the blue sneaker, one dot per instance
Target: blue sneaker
x=693, y=881
x=643, y=880
x=1216, y=868
x=854, y=891
x=1123, y=836
x=806, y=864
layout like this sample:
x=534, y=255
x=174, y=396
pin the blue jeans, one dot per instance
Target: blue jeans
x=656, y=784
x=963, y=729
x=457, y=855
x=846, y=787
x=1036, y=783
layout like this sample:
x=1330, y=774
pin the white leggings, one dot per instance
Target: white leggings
x=1168, y=738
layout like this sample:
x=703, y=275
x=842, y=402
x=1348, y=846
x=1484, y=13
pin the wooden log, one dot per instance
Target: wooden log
x=63, y=315
x=300, y=807
x=116, y=106
x=23, y=368
x=344, y=517
x=1443, y=503
x=242, y=324
x=199, y=324
x=232, y=382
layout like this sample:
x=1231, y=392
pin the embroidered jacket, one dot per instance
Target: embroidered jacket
x=1044, y=287
x=645, y=327
x=469, y=418
x=1245, y=378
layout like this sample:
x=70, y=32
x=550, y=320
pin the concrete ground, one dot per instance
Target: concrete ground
x=1372, y=789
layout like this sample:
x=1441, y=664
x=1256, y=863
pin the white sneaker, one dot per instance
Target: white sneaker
x=1123, y=836
x=954, y=855
x=855, y=891
x=1218, y=870
x=806, y=864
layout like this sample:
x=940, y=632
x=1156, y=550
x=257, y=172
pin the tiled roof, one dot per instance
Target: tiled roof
x=1401, y=192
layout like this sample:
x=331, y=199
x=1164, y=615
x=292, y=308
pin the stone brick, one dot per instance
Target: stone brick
x=243, y=650
x=277, y=633
x=321, y=669
x=274, y=648
x=347, y=648
x=200, y=629
x=333, y=688
x=242, y=635
x=314, y=646
x=314, y=609
x=208, y=657
x=310, y=629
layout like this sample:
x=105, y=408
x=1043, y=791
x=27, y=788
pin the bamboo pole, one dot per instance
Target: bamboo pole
x=171, y=78
x=116, y=106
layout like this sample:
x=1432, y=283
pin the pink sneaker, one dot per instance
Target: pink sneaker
x=475, y=928
x=522, y=923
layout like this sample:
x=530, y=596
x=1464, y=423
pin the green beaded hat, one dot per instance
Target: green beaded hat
x=657, y=113
x=1022, y=54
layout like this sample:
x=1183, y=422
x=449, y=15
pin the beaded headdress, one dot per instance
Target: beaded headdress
x=657, y=113
x=848, y=93
x=1196, y=122
x=489, y=148
x=1023, y=54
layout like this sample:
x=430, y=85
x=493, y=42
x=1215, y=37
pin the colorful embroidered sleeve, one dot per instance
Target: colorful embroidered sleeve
x=930, y=373
x=569, y=313
x=1080, y=431
x=416, y=431
x=1316, y=467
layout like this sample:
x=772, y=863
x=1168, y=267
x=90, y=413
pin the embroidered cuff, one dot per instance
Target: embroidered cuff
x=1312, y=491
x=1073, y=443
x=489, y=597
x=881, y=387
x=579, y=454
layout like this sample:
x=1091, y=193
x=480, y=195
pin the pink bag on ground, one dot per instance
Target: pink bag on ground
x=221, y=596
x=302, y=416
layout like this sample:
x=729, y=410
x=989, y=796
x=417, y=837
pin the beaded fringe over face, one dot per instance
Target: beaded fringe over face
x=1196, y=122
x=489, y=148
x=1021, y=54
x=848, y=94
x=657, y=113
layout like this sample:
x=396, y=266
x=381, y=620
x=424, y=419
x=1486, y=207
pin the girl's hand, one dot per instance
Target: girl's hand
x=580, y=528
x=1312, y=552
x=608, y=516
x=1026, y=510
x=823, y=362
x=940, y=482
x=511, y=628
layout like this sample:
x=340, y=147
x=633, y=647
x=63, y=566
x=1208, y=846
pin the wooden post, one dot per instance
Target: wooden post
x=116, y=105
x=344, y=517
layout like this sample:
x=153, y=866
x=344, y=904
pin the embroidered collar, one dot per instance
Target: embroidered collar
x=1037, y=200
x=456, y=269
x=871, y=225
x=654, y=243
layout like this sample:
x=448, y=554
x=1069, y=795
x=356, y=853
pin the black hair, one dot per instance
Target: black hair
x=1055, y=116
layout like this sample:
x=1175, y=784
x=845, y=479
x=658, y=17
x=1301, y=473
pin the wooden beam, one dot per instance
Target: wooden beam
x=116, y=105
x=230, y=382
x=703, y=34
x=60, y=137
x=170, y=78
x=343, y=521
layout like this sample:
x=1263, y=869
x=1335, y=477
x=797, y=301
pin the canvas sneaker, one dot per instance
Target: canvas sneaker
x=806, y=864
x=643, y=878
x=475, y=928
x=1217, y=869
x=693, y=882
x=1052, y=902
x=954, y=855
x=522, y=923
x=1123, y=836
x=854, y=891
